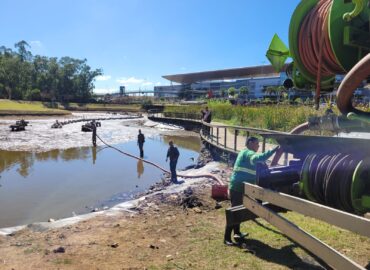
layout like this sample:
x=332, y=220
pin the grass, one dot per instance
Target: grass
x=204, y=248
x=275, y=117
x=27, y=107
x=13, y=107
x=62, y=261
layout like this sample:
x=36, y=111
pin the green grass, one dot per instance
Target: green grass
x=27, y=107
x=13, y=107
x=204, y=248
x=280, y=117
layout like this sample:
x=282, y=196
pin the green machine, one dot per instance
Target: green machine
x=327, y=38
x=339, y=28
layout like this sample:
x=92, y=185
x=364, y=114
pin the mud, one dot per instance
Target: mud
x=40, y=137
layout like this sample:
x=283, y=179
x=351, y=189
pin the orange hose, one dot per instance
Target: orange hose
x=314, y=45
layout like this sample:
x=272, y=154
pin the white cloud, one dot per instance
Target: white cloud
x=37, y=47
x=147, y=83
x=105, y=90
x=103, y=77
x=36, y=43
x=131, y=80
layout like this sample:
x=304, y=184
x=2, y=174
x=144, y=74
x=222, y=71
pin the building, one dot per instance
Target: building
x=191, y=85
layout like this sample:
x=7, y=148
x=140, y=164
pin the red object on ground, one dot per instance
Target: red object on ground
x=219, y=192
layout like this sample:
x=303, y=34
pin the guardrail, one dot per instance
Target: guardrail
x=217, y=134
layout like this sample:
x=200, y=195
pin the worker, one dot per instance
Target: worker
x=244, y=171
x=206, y=117
x=140, y=143
x=173, y=154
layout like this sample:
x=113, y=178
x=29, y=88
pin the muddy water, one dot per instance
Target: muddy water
x=54, y=173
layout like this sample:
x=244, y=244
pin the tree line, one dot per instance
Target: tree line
x=24, y=76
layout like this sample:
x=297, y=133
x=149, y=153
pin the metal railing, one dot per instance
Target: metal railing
x=219, y=134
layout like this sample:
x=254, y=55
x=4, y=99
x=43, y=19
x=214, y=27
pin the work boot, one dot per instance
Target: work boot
x=228, y=242
x=240, y=236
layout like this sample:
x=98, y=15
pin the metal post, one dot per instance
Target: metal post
x=217, y=135
x=286, y=158
x=211, y=133
x=235, y=138
x=264, y=144
x=225, y=137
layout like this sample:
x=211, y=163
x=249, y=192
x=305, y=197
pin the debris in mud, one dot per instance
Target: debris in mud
x=114, y=245
x=59, y=250
x=205, y=157
x=191, y=202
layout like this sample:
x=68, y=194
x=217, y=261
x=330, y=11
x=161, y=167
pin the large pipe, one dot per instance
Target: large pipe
x=349, y=85
x=297, y=130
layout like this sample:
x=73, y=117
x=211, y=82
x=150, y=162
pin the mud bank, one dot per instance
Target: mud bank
x=40, y=137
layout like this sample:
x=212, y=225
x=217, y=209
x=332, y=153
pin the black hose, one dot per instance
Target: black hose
x=330, y=178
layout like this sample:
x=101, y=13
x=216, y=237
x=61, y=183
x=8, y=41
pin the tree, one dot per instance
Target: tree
x=64, y=79
x=231, y=91
x=23, y=53
x=34, y=94
x=243, y=90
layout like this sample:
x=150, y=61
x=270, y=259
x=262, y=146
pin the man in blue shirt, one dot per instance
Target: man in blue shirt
x=173, y=154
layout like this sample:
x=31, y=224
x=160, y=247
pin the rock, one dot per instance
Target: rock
x=59, y=250
x=51, y=220
x=218, y=205
x=197, y=210
x=153, y=246
x=114, y=245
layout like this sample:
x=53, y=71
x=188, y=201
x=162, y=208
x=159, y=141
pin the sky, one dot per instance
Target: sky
x=136, y=42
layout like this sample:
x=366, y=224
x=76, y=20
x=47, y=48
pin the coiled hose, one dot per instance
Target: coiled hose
x=329, y=178
x=314, y=45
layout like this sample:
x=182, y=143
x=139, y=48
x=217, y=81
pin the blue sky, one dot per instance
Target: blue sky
x=135, y=42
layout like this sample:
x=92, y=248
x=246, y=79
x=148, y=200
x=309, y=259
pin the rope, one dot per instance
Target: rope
x=161, y=168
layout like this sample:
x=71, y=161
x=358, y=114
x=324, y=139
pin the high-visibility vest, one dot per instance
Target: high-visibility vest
x=245, y=168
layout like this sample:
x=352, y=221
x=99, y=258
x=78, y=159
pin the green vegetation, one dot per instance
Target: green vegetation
x=204, y=249
x=27, y=107
x=8, y=107
x=27, y=77
x=275, y=117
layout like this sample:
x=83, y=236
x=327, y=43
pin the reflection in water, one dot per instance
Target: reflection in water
x=25, y=160
x=140, y=168
x=38, y=186
x=93, y=154
x=188, y=142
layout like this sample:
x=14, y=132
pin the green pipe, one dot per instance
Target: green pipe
x=359, y=7
x=362, y=118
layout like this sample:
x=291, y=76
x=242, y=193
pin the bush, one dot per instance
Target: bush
x=34, y=94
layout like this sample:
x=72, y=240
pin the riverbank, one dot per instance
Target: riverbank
x=170, y=227
x=37, y=108
x=179, y=227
